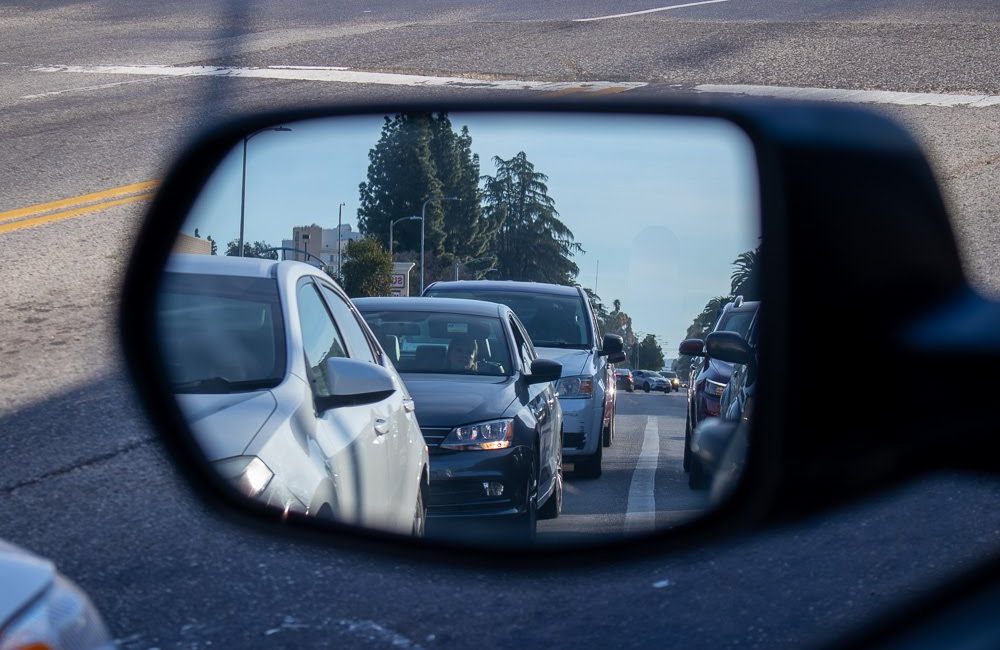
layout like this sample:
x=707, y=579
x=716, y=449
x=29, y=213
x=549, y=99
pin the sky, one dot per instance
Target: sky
x=662, y=205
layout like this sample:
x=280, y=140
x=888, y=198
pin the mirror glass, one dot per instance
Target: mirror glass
x=399, y=321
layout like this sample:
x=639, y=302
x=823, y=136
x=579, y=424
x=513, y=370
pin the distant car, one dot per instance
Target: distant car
x=289, y=394
x=40, y=608
x=487, y=408
x=711, y=440
x=562, y=326
x=624, y=379
x=672, y=378
x=709, y=376
x=649, y=380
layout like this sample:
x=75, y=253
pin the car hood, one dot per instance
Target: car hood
x=225, y=424
x=574, y=362
x=24, y=577
x=719, y=370
x=445, y=401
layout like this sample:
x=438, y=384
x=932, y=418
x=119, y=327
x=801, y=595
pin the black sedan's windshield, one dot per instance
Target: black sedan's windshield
x=553, y=321
x=453, y=344
x=221, y=334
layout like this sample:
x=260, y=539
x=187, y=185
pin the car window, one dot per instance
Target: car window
x=734, y=321
x=552, y=320
x=522, y=345
x=320, y=338
x=221, y=334
x=357, y=342
x=443, y=343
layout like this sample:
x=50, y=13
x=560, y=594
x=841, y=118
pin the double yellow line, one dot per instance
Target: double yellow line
x=77, y=206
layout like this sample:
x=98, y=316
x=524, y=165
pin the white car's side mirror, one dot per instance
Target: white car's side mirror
x=351, y=382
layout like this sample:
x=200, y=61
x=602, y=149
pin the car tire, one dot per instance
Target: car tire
x=553, y=507
x=645, y=387
x=521, y=529
x=698, y=478
x=590, y=467
x=631, y=390
x=420, y=516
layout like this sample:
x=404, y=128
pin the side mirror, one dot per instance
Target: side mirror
x=612, y=345
x=352, y=382
x=728, y=346
x=692, y=347
x=543, y=371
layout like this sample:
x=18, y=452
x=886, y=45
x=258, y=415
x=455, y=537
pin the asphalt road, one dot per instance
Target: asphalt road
x=83, y=481
x=623, y=501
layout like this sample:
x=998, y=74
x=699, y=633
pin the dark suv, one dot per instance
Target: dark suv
x=710, y=376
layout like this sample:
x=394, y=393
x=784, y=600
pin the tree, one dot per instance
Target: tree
x=419, y=157
x=531, y=243
x=367, y=269
x=746, y=275
x=259, y=249
x=215, y=245
x=649, y=355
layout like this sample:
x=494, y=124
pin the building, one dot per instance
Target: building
x=320, y=244
x=188, y=244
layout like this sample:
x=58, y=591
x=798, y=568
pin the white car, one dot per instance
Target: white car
x=288, y=392
x=40, y=608
x=648, y=380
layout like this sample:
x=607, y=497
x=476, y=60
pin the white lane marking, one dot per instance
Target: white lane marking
x=648, y=11
x=342, y=75
x=86, y=88
x=640, y=514
x=856, y=96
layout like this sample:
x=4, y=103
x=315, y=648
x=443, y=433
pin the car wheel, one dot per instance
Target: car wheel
x=521, y=529
x=553, y=506
x=420, y=516
x=645, y=387
x=590, y=467
x=630, y=389
x=698, y=478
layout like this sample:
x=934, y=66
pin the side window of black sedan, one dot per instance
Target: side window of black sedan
x=523, y=344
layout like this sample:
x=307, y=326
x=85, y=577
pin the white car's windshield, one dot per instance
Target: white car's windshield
x=221, y=334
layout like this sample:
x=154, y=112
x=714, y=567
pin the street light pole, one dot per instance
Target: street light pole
x=423, y=223
x=393, y=223
x=243, y=185
x=340, y=214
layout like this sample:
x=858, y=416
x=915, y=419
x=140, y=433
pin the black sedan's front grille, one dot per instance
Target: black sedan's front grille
x=434, y=437
x=574, y=440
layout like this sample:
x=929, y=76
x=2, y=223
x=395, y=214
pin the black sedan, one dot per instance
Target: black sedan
x=487, y=408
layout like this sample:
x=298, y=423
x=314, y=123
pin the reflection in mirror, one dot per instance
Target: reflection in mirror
x=470, y=326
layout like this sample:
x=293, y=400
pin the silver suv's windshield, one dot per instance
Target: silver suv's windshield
x=552, y=321
x=221, y=334
x=453, y=344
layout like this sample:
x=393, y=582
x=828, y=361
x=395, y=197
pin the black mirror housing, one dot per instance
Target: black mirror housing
x=611, y=344
x=543, y=371
x=728, y=346
x=692, y=347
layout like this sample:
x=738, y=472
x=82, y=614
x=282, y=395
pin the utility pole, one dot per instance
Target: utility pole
x=340, y=222
x=243, y=184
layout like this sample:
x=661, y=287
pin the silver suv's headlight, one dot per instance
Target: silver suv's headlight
x=62, y=618
x=581, y=387
x=495, y=434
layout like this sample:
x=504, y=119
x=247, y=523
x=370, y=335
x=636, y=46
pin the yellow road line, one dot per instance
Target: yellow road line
x=75, y=201
x=69, y=214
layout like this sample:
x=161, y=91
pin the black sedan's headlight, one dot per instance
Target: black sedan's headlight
x=494, y=434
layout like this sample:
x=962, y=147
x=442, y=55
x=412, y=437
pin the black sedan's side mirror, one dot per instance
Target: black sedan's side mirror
x=728, y=346
x=544, y=370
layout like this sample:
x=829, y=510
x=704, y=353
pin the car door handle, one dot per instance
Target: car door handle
x=409, y=406
x=381, y=426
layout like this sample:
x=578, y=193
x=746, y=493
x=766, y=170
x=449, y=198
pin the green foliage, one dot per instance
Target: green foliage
x=531, y=243
x=418, y=157
x=367, y=270
x=215, y=245
x=746, y=275
x=649, y=355
x=257, y=249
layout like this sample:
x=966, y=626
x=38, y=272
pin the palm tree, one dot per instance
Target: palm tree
x=745, y=278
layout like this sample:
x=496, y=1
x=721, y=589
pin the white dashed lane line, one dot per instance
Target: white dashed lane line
x=856, y=96
x=648, y=11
